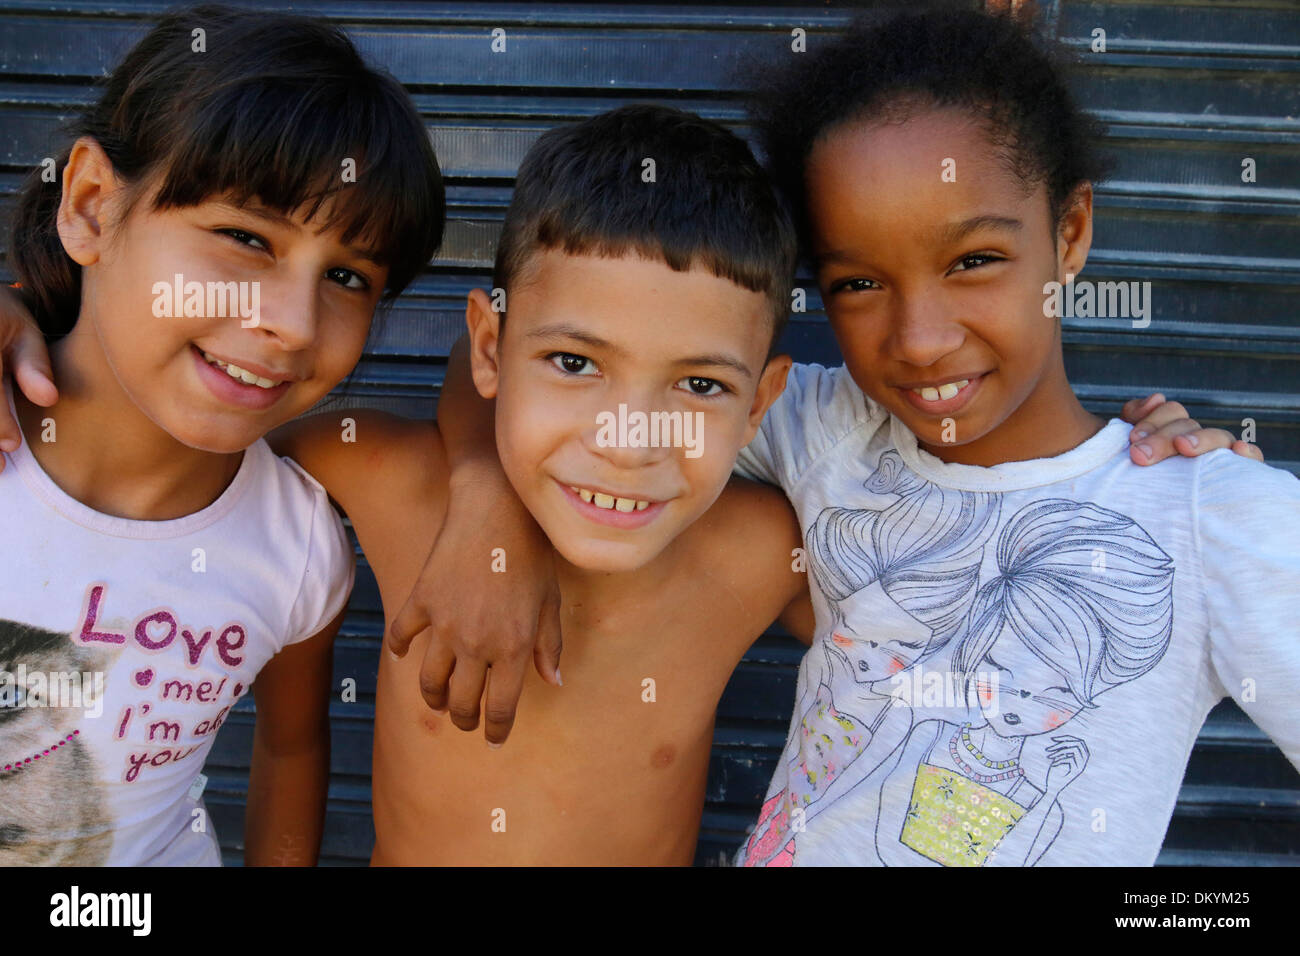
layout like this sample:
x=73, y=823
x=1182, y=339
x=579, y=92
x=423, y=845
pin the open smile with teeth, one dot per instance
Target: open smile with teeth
x=240, y=374
x=942, y=392
x=609, y=502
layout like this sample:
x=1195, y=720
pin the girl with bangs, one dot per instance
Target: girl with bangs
x=167, y=558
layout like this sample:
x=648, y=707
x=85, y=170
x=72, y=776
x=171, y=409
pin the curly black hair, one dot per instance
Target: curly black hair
x=945, y=56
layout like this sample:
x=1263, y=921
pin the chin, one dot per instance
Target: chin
x=215, y=441
x=602, y=556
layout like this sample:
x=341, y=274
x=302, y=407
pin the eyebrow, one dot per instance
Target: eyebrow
x=563, y=331
x=948, y=235
x=717, y=360
x=957, y=231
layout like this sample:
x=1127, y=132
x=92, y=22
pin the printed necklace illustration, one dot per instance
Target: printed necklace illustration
x=1010, y=768
x=20, y=764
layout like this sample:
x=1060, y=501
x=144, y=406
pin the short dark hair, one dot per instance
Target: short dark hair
x=580, y=189
x=993, y=64
x=270, y=111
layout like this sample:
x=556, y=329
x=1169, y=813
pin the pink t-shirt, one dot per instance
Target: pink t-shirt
x=124, y=645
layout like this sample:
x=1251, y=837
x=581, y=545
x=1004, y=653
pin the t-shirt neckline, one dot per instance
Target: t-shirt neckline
x=44, y=487
x=1011, y=475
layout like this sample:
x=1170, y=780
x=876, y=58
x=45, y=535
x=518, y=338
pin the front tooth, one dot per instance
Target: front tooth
x=930, y=394
x=948, y=391
x=602, y=500
x=625, y=504
x=642, y=505
x=962, y=384
x=585, y=495
x=247, y=377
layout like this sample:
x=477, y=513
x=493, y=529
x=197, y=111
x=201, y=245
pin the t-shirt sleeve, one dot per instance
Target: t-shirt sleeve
x=1248, y=522
x=818, y=408
x=328, y=572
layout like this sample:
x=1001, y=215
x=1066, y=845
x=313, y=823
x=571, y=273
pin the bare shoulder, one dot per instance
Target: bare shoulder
x=751, y=530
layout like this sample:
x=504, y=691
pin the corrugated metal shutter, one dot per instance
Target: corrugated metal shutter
x=1187, y=90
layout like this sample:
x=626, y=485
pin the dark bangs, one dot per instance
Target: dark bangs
x=296, y=143
x=585, y=188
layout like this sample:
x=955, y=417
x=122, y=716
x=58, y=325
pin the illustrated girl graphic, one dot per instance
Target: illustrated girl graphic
x=1082, y=603
x=899, y=580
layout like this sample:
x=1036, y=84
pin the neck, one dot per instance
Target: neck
x=99, y=447
x=1048, y=423
x=592, y=590
x=986, y=740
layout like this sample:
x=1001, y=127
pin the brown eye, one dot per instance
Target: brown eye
x=974, y=261
x=348, y=279
x=245, y=238
x=573, y=364
x=704, y=387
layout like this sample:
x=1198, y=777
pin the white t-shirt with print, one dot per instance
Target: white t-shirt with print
x=1011, y=664
x=176, y=617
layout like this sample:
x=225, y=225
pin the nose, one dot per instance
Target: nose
x=634, y=434
x=923, y=331
x=289, y=310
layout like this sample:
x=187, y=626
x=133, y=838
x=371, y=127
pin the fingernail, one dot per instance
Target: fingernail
x=494, y=746
x=1138, y=436
x=440, y=713
x=392, y=656
x=1192, y=440
x=1146, y=450
x=558, y=680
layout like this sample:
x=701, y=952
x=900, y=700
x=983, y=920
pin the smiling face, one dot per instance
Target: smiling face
x=207, y=380
x=586, y=335
x=934, y=288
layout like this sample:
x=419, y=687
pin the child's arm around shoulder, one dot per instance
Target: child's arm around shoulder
x=365, y=459
x=1247, y=527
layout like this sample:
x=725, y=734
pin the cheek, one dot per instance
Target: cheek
x=525, y=432
x=1055, y=718
x=860, y=343
x=708, y=472
x=342, y=352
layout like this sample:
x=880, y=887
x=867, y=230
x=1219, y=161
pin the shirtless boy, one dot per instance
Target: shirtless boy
x=658, y=607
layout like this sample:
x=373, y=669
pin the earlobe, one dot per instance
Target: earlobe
x=88, y=181
x=484, y=324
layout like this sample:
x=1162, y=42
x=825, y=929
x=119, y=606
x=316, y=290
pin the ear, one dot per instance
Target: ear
x=89, y=183
x=484, y=325
x=1074, y=233
x=770, y=386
